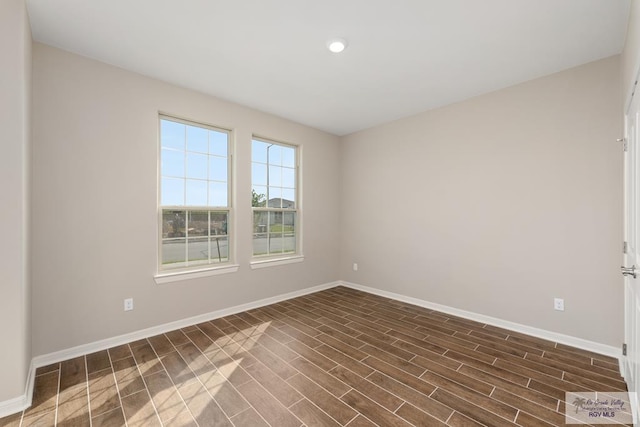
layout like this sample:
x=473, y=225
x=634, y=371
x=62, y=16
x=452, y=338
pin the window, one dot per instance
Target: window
x=274, y=198
x=194, y=195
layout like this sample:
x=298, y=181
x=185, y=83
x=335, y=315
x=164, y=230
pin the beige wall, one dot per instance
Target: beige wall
x=631, y=52
x=498, y=204
x=95, y=212
x=15, y=83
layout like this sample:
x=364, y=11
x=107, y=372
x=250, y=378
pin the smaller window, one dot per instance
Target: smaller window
x=274, y=198
x=194, y=195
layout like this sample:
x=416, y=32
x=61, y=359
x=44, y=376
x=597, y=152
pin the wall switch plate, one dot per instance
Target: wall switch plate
x=128, y=304
x=355, y=266
x=558, y=304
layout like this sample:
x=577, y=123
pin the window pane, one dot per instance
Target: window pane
x=198, y=224
x=289, y=232
x=218, y=168
x=172, y=163
x=172, y=192
x=218, y=143
x=275, y=197
x=275, y=222
x=173, y=233
x=196, y=193
x=218, y=194
x=289, y=177
x=259, y=151
x=275, y=243
x=197, y=165
x=218, y=223
x=198, y=249
x=258, y=196
x=275, y=176
x=173, y=223
x=289, y=243
x=219, y=249
x=288, y=222
x=259, y=174
x=288, y=198
x=288, y=157
x=274, y=154
x=173, y=251
x=260, y=219
x=172, y=134
x=197, y=139
x=260, y=236
x=260, y=244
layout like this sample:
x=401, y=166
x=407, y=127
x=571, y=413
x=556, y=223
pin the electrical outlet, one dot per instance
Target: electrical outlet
x=128, y=304
x=558, y=304
x=355, y=266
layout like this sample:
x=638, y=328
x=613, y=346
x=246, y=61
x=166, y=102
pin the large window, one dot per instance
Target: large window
x=194, y=195
x=274, y=198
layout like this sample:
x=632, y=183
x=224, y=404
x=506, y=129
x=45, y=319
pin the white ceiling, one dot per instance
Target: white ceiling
x=404, y=56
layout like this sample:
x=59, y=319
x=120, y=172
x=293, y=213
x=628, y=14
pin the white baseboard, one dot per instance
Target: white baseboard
x=517, y=327
x=20, y=403
x=14, y=405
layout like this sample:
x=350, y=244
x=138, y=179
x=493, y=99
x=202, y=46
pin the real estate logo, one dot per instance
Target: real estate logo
x=598, y=408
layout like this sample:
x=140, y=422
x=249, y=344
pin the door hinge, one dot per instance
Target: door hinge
x=624, y=349
x=624, y=247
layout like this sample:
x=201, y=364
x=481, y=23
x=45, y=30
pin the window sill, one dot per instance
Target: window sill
x=264, y=263
x=177, y=276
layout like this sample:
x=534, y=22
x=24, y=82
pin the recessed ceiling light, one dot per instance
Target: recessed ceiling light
x=336, y=45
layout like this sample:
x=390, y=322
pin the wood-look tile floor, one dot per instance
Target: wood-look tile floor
x=339, y=357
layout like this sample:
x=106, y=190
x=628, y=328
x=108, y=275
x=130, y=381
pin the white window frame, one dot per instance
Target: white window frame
x=198, y=269
x=269, y=260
